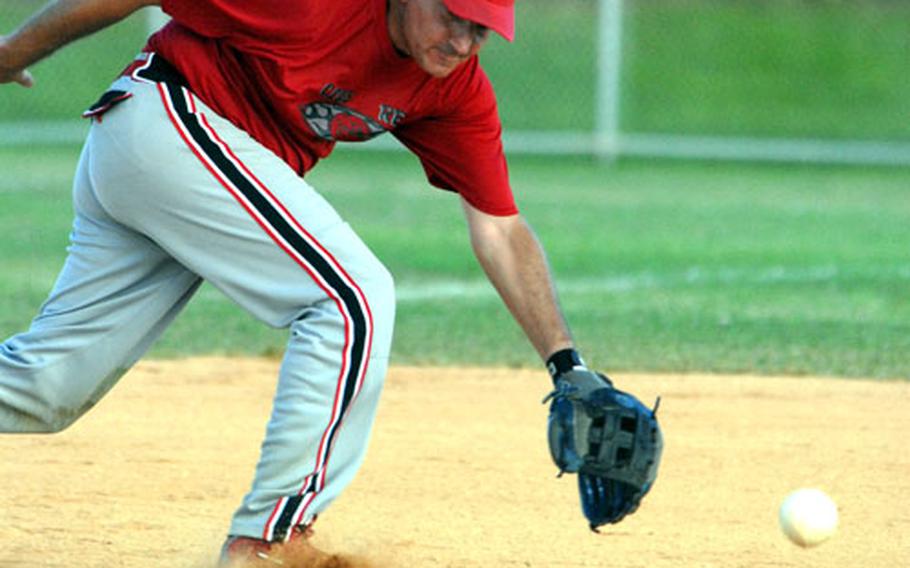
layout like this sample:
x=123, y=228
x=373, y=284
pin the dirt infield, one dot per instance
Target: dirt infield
x=458, y=474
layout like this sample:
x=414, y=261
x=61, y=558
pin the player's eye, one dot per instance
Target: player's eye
x=461, y=26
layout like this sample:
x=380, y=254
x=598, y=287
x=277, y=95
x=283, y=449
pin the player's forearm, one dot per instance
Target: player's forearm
x=515, y=263
x=58, y=24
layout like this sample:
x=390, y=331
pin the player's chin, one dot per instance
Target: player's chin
x=440, y=66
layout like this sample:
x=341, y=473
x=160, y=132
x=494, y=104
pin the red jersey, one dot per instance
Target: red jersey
x=301, y=75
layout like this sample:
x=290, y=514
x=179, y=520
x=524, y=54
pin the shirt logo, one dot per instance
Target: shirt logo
x=332, y=121
x=390, y=115
x=336, y=123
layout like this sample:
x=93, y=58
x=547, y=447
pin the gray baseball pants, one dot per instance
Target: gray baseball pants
x=168, y=194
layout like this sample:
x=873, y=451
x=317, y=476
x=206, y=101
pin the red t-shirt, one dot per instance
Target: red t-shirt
x=301, y=75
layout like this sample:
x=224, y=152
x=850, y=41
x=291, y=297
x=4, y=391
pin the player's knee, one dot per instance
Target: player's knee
x=56, y=414
x=42, y=411
x=40, y=393
x=37, y=421
x=379, y=289
x=382, y=288
x=56, y=423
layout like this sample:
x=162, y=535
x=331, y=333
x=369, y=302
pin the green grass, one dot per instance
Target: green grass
x=822, y=68
x=545, y=80
x=73, y=78
x=662, y=266
x=781, y=68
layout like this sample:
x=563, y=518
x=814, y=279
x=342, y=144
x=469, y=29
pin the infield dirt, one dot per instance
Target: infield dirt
x=458, y=474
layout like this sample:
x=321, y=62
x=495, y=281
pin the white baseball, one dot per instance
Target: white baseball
x=808, y=517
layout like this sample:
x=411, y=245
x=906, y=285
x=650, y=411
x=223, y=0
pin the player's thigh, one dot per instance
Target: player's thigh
x=230, y=210
x=115, y=294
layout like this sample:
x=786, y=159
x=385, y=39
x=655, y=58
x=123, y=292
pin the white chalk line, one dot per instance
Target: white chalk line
x=617, y=284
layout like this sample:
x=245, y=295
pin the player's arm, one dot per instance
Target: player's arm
x=515, y=263
x=615, y=472
x=56, y=25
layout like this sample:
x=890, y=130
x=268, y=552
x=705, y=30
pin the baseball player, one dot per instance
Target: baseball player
x=193, y=169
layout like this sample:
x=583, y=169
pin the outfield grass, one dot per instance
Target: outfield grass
x=73, y=78
x=662, y=266
x=784, y=68
x=821, y=68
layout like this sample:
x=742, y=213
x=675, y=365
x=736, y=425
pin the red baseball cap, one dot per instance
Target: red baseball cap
x=498, y=15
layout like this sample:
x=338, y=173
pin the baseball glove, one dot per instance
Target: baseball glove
x=609, y=438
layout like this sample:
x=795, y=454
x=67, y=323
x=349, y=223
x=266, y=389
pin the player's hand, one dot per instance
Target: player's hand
x=609, y=438
x=9, y=72
x=22, y=77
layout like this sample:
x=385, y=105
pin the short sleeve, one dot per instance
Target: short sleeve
x=460, y=146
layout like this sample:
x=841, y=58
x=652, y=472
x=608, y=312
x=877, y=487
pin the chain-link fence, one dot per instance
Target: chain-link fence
x=685, y=74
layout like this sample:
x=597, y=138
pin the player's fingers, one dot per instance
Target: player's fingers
x=24, y=78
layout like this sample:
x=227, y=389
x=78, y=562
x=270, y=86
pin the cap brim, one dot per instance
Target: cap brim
x=499, y=17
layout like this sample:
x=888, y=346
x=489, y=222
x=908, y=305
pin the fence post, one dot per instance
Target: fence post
x=609, y=67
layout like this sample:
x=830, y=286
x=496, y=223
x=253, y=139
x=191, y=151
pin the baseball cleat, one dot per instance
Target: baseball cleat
x=239, y=551
x=296, y=552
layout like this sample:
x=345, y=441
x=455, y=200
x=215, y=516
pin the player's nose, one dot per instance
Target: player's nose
x=462, y=43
